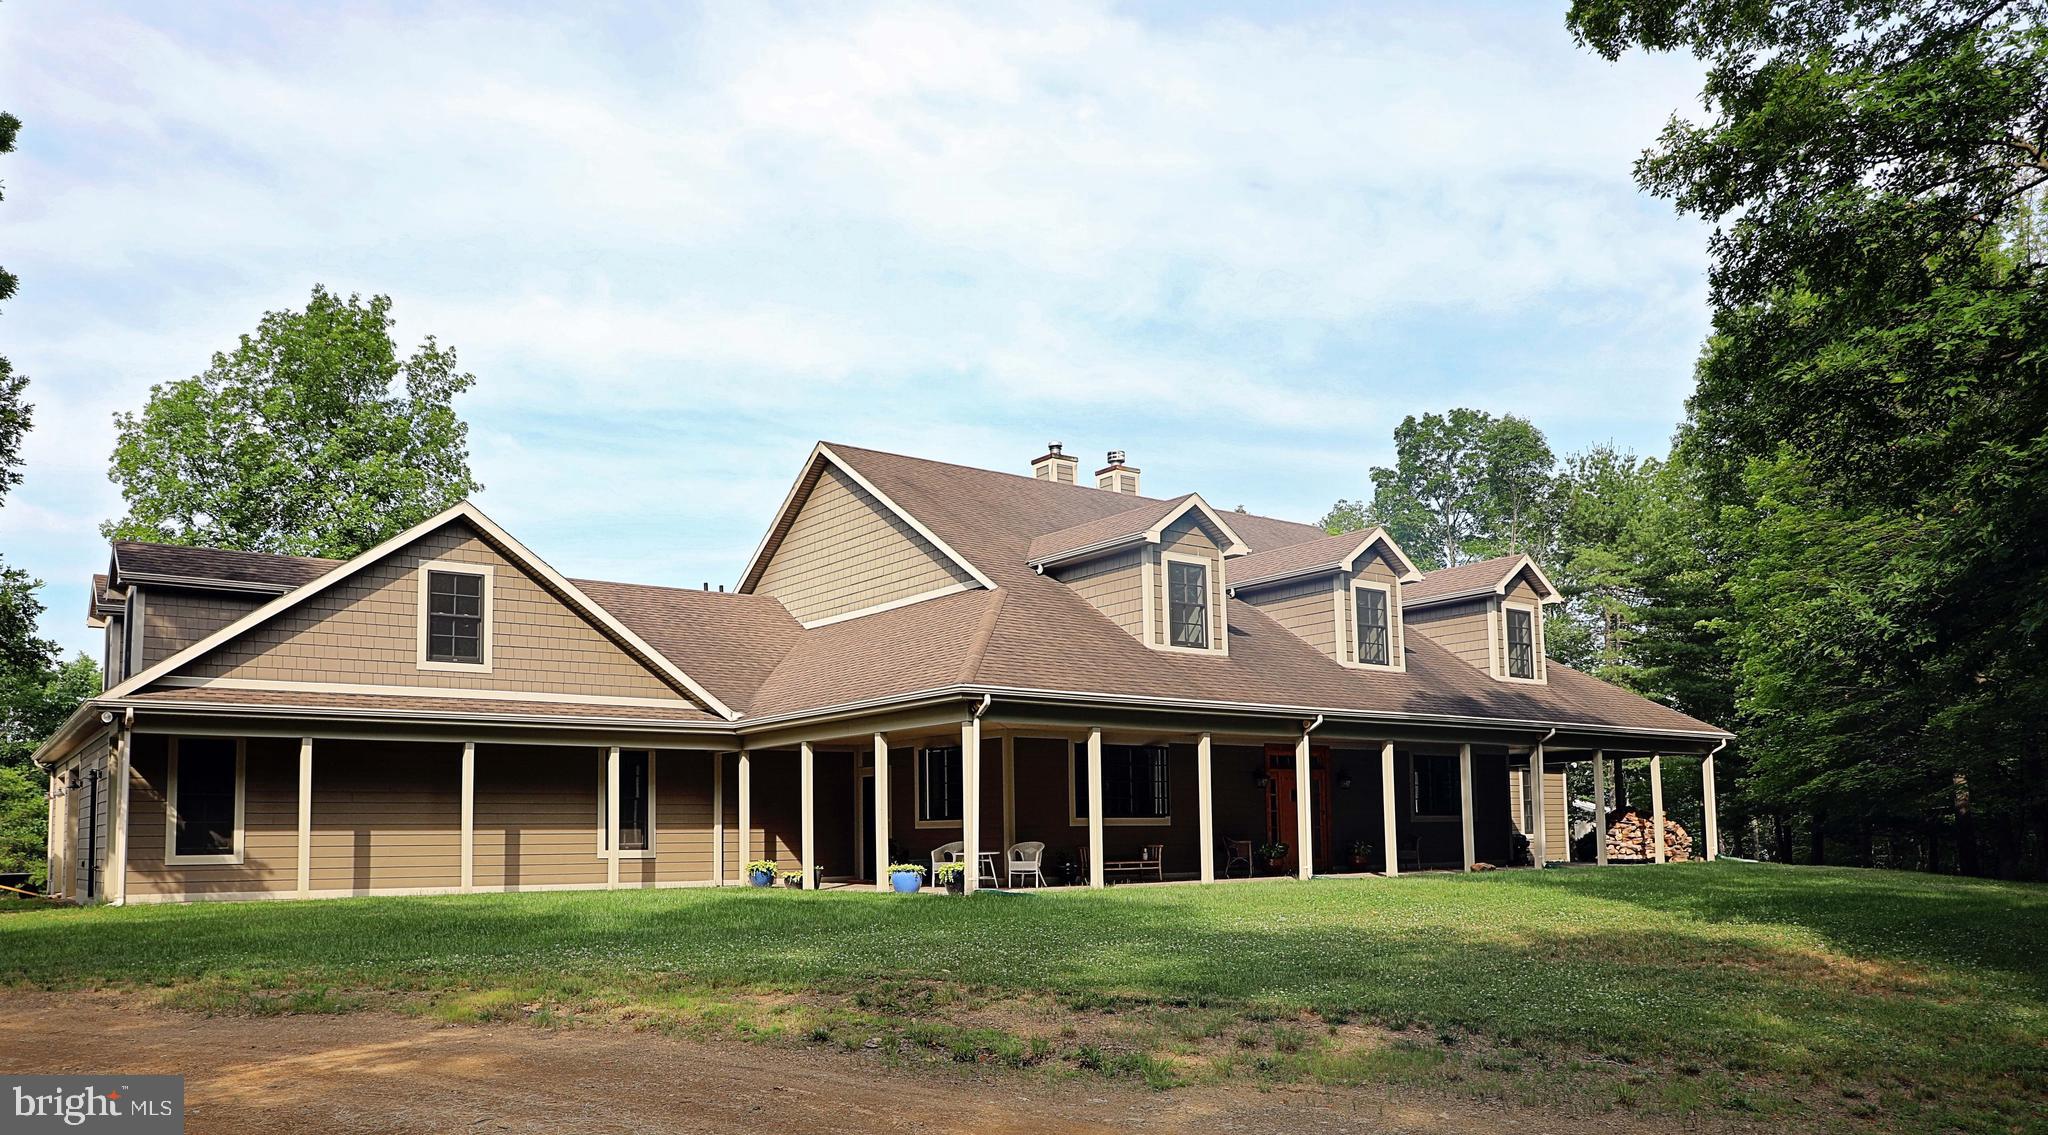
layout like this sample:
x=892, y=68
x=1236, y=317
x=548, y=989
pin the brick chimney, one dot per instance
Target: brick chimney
x=1116, y=476
x=1055, y=465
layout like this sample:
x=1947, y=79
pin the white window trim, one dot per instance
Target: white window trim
x=604, y=792
x=171, y=856
x=1074, y=817
x=1219, y=627
x=490, y=592
x=1535, y=642
x=1394, y=661
x=917, y=788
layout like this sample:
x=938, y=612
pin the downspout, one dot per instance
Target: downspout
x=1317, y=723
x=986, y=699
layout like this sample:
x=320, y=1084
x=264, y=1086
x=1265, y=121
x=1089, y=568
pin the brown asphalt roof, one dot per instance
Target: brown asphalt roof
x=682, y=711
x=219, y=565
x=1326, y=553
x=1128, y=524
x=1032, y=632
x=728, y=642
x=1471, y=577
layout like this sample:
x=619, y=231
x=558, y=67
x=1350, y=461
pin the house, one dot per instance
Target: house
x=917, y=654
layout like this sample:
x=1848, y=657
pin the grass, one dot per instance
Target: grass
x=1838, y=998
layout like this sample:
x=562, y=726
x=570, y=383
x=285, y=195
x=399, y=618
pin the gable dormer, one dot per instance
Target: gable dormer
x=840, y=549
x=1340, y=594
x=1489, y=613
x=1156, y=570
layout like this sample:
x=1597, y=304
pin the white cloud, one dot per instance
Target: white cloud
x=678, y=245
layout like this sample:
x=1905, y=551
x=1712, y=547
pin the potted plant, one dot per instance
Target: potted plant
x=793, y=879
x=907, y=878
x=761, y=872
x=1361, y=854
x=1275, y=855
x=952, y=876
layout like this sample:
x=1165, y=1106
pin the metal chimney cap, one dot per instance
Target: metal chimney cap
x=1116, y=456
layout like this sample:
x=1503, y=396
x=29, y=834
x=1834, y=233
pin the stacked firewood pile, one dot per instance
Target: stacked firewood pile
x=1632, y=836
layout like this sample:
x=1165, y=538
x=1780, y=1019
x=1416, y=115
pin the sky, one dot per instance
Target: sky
x=678, y=245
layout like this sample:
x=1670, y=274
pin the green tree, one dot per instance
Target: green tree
x=1464, y=485
x=1870, y=428
x=312, y=437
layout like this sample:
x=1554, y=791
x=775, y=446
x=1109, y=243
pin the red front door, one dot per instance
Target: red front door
x=1282, y=823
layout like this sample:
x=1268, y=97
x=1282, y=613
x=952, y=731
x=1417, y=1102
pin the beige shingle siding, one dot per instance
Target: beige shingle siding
x=270, y=824
x=536, y=815
x=845, y=551
x=388, y=814
x=1461, y=628
x=364, y=630
x=1376, y=568
x=173, y=620
x=1114, y=584
x=1188, y=536
x=1306, y=608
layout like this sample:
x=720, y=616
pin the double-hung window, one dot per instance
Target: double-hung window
x=455, y=616
x=1521, y=643
x=1187, y=604
x=1134, y=783
x=1375, y=646
x=1436, y=786
x=938, y=785
x=203, y=798
x=636, y=801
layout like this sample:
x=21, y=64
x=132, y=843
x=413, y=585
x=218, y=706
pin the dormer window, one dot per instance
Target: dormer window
x=1521, y=643
x=1375, y=637
x=1187, y=603
x=455, y=617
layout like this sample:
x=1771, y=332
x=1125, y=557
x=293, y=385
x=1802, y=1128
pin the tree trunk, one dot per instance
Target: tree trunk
x=1781, y=835
x=2034, y=783
x=1817, y=854
x=1966, y=830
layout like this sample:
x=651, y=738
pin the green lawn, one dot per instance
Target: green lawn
x=1839, y=998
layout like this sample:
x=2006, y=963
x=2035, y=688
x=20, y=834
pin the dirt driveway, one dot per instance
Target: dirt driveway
x=377, y=1072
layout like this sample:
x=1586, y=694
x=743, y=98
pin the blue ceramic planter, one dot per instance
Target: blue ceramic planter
x=761, y=878
x=906, y=882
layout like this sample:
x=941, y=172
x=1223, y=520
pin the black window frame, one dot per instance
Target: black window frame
x=945, y=787
x=1137, y=782
x=1434, y=790
x=1180, y=598
x=206, y=813
x=455, y=619
x=1521, y=655
x=1381, y=635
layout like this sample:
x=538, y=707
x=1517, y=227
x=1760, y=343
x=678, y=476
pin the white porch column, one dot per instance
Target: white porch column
x=1304, y=821
x=1465, y=802
x=970, y=802
x=1539, y=825
x=746, y=816
x=881, y=812
x=1205, y=793
x=116, y=888
x=1657, y=801
x=1095, y=874
x=807, y=854
x=1009, y=743
x=1600, y=808
x=1389, y=831
x=718, y=819
x=1707, y=801
x=468, y=810
x=611, y=818
x=305, y=817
